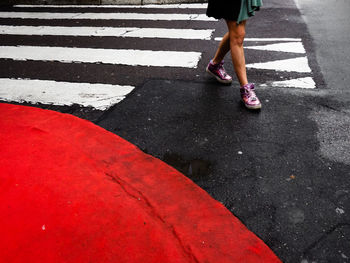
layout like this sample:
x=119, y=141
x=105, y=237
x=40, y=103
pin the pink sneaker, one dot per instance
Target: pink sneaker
x=249, y=97
x=218, y=71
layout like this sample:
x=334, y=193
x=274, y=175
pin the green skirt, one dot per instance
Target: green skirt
x=234, y=10
x=248, y=8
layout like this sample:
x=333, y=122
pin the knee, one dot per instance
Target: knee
x=237, y=38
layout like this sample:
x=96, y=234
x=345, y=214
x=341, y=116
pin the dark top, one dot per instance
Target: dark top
x=226, y=9
x=235, y=10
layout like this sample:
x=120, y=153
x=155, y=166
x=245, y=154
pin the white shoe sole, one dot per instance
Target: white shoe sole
x=257, y=107
x=217, y=78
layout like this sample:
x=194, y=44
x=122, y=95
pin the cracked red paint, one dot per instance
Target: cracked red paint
x=103, y=200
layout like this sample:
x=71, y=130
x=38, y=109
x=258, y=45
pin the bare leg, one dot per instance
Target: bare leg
x=223, y=49
x=236, y=36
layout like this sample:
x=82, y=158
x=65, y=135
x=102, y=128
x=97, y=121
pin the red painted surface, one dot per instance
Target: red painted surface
x=73, y=192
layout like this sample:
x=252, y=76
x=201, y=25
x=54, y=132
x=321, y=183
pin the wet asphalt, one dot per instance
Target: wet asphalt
x=283, y=171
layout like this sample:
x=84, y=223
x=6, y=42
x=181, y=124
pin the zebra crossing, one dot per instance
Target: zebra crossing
x=45, y=61
x=97, y=95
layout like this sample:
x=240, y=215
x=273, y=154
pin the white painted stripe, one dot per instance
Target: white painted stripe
x=98, y=96
x=301, y=83
x=266, y=39
x=291, y=47
x=291, y=65
x=184, y=6
x=106, y=16
x=106, y=56
x=108, y=31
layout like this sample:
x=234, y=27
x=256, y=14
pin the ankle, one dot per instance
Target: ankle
x=215, y=62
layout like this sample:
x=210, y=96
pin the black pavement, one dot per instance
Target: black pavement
x=283, y=171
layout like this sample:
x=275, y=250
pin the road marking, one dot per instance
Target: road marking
x=291, y=65
x=106, y=16
x=248, y=39
x=292, y=47
x=302, y=83
x=98, y=96
x=108, y=31
x=106, y=56
x=184, y=6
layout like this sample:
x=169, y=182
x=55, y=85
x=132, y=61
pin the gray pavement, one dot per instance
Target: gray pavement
x=284, y=171
x=329, y=25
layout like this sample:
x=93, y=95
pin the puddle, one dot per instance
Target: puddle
x=194, y=169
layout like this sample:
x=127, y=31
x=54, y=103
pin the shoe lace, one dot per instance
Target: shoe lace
x=250, y=94
x=222, y=70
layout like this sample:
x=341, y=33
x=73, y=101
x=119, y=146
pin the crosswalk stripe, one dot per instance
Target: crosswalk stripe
x=301, y=83
x=291, y=47
x=184, y=6
x=107, y=16
x=300, y=65
x=106, y=56
x=108, y=31
x=98, y=96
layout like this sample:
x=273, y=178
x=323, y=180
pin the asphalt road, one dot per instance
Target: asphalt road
x=283, y=171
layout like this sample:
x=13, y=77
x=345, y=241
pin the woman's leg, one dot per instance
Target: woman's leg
x=215, y=66
x=223, y=49
x=236, y=34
